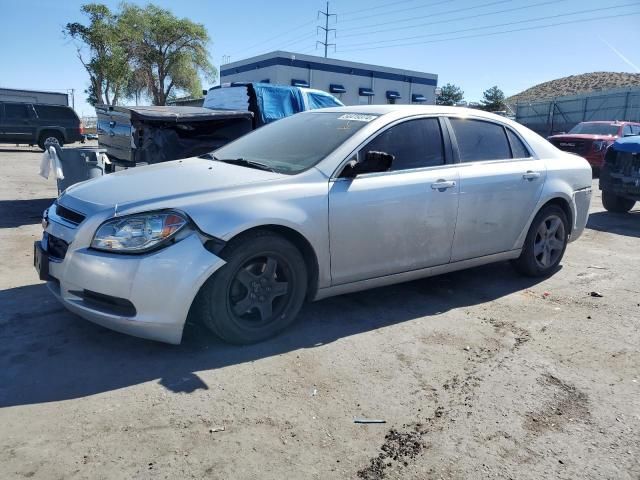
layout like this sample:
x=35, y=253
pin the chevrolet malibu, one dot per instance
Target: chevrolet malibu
x=318, y=204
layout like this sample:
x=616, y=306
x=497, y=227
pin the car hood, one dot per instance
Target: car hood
x=170, y=183
x=581, y=136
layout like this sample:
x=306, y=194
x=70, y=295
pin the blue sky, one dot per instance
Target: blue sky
x=446, y=37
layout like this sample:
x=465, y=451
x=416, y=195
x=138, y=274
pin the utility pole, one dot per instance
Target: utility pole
x=326, y=29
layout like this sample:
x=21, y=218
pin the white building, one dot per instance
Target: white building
x=354, y=83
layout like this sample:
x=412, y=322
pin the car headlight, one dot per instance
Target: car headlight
x=139, y=232
x=600, y=145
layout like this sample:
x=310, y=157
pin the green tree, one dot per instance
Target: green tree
x=449, y=95
x=100, y=49
x=493, y=100
x=169, y=52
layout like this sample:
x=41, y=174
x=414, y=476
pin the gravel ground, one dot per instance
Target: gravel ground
x=478, y=374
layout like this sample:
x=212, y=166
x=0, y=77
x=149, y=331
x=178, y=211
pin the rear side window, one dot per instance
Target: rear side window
x=626, y=130
x=635, y=129
x=52, y=112
x=414, y=144
x=517, y=147
x=479, y=140
x=15, y=111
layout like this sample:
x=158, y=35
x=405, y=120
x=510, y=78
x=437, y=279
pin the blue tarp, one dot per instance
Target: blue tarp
x=321, y=100
x=627, y=144
x=276, y=102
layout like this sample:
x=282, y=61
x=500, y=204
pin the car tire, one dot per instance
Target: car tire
x=50, y=137
x=545, y=243
x=257, y=293
x=615, y=203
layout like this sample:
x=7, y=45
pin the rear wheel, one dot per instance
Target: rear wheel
x=257, y=293
x=50, y=138
x=545, y=243
x=614, y=203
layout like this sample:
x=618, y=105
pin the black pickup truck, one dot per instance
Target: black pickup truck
x=144, y=135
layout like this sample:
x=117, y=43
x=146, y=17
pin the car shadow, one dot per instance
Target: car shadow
x=48, y=354
x=15, y=213
x=627, y=224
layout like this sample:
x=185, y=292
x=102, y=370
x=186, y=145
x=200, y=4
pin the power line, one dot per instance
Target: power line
x=440, y=2
x=280, y=35
x=437, y=14
x=548, y=17
x=496, y=12
x=537, y=27
x=297, y=40
x=368, y=9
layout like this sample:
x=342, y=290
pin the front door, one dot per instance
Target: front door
x=400, y=220
x=500, y=184
x=17, y=123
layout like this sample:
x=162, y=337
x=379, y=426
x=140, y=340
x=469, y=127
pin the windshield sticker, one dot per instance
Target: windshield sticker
x=358, y=117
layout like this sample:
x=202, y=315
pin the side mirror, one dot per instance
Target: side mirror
x=373, y=162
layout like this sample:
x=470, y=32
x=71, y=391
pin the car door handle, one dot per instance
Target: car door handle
x=442, y=185
x=530, y=175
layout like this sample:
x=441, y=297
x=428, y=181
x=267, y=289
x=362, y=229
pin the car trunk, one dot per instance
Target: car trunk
x=145, y=135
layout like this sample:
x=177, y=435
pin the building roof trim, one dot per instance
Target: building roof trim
x=319, y=63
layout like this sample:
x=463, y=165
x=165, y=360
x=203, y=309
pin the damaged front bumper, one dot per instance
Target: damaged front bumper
x=146, y=295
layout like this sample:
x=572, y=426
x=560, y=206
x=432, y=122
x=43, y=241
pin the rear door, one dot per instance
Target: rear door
x=396, y=221
x=18, y=123
x=500, y=184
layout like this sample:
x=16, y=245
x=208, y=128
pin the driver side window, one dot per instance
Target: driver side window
x=414, y=144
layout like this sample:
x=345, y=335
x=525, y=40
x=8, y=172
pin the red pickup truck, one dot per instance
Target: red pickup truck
x=591, y=139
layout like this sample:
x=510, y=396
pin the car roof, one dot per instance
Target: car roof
x=402, y=110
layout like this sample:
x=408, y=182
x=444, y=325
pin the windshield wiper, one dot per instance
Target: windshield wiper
x=246, y=163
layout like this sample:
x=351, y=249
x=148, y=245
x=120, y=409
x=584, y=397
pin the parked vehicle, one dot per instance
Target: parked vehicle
x=35, y=123
x=146, y=135
x=591, y=139
x=620, y=177
x=318, y=204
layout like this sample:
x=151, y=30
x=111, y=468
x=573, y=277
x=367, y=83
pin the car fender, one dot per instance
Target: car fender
x=55, y=128
x=555, y=188
x=302, y=209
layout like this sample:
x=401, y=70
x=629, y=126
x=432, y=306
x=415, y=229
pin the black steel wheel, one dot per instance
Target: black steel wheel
x=545, y=243
x=258, y=292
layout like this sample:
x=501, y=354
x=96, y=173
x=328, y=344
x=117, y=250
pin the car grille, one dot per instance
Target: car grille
x=574, y=146
x=626, y=164
x=69, y=215
x=56, y=247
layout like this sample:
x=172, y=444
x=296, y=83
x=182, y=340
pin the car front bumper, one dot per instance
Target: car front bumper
x=156, y=288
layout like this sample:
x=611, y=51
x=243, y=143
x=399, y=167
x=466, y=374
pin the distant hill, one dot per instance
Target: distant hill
x=574, y=84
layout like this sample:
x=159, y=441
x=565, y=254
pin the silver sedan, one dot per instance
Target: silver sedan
x=319, y=204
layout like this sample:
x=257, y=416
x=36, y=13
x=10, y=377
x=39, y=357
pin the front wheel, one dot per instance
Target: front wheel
x=545, y=243
x=257, y=293
x=615, y=203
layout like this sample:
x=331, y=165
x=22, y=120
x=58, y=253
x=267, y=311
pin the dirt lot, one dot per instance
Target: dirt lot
x=478, y=374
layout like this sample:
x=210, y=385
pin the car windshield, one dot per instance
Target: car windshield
x=610, y=129
x=295, y=143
